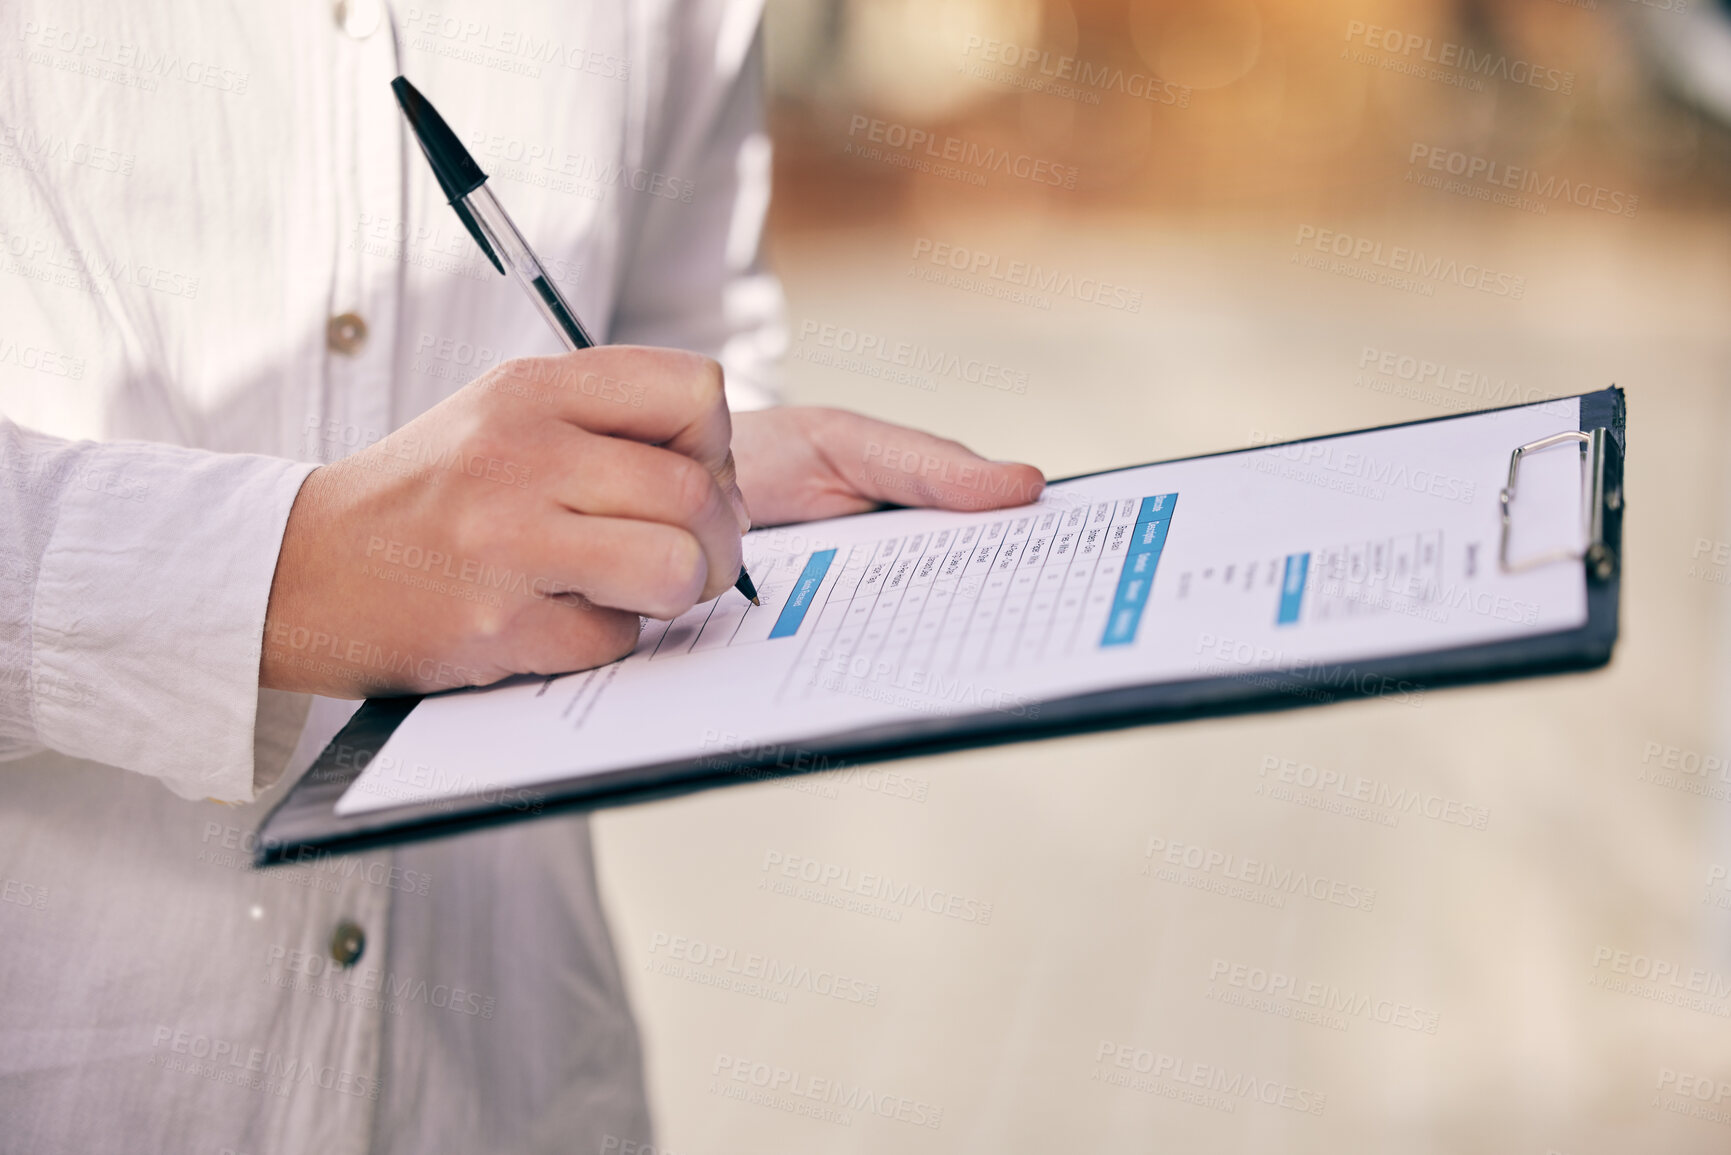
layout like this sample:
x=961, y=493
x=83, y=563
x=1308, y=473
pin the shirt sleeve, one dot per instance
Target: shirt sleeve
x=134, y=579
x=696, y=277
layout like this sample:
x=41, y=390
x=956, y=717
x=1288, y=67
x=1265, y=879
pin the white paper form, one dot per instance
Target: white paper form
x=1343, y=549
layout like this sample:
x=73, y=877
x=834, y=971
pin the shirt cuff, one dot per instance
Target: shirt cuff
x=150, y=604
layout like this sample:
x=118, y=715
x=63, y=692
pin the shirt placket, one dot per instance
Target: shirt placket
x=366, y=194
x=361, y=335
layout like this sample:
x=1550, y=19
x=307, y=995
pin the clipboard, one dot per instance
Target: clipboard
x=305, y=825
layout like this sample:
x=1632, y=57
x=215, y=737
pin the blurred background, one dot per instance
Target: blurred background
x=1132, y=213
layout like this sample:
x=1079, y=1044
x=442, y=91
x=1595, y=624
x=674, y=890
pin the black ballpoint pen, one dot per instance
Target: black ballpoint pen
x=466, y=190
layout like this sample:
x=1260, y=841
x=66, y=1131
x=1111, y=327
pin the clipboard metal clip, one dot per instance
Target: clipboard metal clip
x=1598, y=556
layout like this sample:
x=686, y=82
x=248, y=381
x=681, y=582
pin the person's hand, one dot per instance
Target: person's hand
x=518, y=527
x=801, y=464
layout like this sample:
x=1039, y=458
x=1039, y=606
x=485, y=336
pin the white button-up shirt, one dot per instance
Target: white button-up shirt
x=222, y=261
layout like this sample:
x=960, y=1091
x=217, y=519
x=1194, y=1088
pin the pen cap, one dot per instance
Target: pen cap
x=456, y=170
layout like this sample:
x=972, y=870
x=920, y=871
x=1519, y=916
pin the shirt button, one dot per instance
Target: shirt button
x=346, y=333
x=358, y=19
x=347, y=943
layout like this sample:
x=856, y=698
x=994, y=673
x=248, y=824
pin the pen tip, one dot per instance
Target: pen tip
x=745, y=587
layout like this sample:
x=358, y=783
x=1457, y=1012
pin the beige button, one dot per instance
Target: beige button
x=348, y=942
x=346, y=333
x=358, y=19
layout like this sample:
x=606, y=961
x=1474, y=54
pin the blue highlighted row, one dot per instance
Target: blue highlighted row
x=793, y=613
x=1136, y=580
x=1292, y=588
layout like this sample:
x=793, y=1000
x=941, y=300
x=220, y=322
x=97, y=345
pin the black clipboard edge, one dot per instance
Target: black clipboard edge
x=302, y=827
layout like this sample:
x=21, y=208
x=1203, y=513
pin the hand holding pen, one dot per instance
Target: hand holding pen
x=465, y=188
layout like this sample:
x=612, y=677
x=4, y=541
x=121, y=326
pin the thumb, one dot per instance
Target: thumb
x=903, y=466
